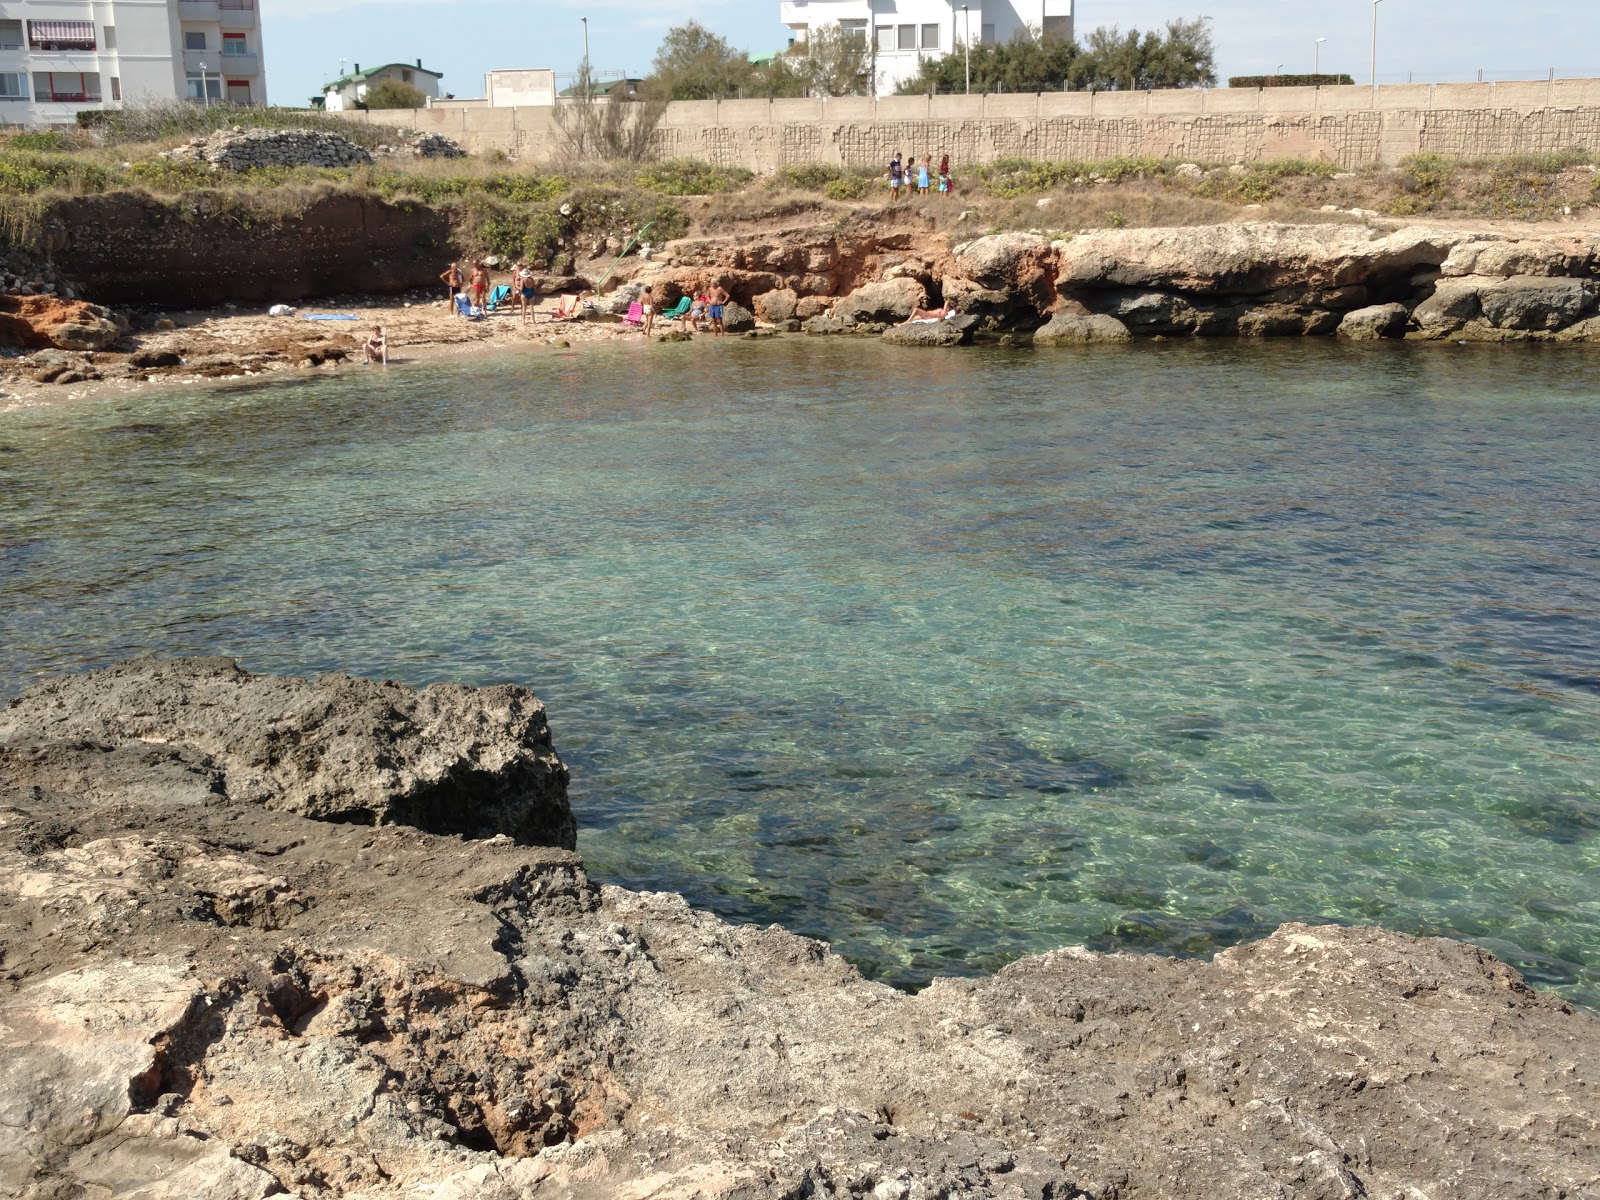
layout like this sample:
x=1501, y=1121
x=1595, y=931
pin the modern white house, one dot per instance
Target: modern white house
x=350, y=91
x=60, y=57
x=904, y=32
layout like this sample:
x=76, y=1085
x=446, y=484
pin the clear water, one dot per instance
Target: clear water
x=943, y=657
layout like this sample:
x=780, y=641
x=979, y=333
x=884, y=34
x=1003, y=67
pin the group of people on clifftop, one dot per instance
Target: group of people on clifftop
x=919, y=175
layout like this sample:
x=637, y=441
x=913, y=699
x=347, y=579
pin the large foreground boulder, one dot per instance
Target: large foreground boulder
x=448, y=758
x=950, y=332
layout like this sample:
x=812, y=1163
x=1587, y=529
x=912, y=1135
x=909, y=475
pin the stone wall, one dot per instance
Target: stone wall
x=1352, y=126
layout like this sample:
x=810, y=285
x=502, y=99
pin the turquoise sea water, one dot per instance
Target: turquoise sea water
x=943, y=657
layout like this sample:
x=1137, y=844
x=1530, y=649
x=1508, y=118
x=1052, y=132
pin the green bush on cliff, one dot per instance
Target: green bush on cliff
x=1007, y=178
x=847, y=187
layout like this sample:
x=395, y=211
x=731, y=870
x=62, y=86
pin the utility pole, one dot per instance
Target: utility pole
x=1316, y=63
x=205, y=88
x=967, y=41
x=1375, y=4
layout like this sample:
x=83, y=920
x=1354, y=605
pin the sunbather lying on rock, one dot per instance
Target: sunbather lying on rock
x=930, y=314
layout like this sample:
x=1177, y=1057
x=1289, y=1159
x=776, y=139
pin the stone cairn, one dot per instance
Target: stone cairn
x=239, y=149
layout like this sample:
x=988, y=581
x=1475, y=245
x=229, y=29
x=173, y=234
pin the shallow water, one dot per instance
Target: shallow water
x=943, y=657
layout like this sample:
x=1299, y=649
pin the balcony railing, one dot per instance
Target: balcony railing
x=238, y=64
x=237, y=5
x=68, y=97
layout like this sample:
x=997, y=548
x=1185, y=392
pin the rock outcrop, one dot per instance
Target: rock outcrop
x=39, y=322
x=449, y=759
x=206, y=996
x=956, y=331
x=1374, y=323
x=1076, y=329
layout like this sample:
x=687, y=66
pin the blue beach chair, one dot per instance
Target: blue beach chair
x=498, y=297
x=465, y=308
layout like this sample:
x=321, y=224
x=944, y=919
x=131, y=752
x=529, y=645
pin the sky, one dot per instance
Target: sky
x=1422, y=40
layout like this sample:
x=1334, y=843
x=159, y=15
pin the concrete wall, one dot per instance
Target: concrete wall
x=1352, y=126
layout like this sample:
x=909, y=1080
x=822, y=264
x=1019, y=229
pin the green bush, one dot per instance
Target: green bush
x=167, y=175
x=1280, y=81
x=809, y=177
x=1426, y=178
x=23, y=173
x=847, y=187
x=1008, y=178
x=688, y=177
x=50, y=141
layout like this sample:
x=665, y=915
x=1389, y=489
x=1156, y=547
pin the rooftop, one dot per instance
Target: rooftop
x=360, y=76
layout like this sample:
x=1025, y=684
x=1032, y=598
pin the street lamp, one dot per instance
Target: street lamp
x=1375, y=4
x=1316, y=63
x=586, y=43
x=205, y=88
x=967, y=13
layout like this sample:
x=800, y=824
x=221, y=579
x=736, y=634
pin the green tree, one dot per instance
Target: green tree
x=692, y=63
x=833, y=62
x=1183, y=57
x=393, y=94
x=1026, y=64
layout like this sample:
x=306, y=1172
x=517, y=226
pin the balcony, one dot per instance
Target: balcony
x=237, y=14
x=198, y=10
x=239, y=65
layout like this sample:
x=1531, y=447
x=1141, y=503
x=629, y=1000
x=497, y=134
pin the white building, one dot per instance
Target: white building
x=350, y=91
x=904, y=32
x=59, y=57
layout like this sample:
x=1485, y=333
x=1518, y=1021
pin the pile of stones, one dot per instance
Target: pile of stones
x=240, y=149
x=412, y=143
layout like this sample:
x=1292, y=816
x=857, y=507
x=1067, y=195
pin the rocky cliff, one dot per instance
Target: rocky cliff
x=205, y=249
x=235, y=965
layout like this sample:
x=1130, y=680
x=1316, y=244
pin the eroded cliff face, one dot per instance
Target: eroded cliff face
x=205, y=992
x=199, y=251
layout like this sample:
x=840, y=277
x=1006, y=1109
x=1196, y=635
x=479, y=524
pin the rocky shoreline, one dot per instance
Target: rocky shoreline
x=329, y=938
x=1358, y=282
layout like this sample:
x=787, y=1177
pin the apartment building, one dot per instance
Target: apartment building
x=904, y=32
x=60, y=57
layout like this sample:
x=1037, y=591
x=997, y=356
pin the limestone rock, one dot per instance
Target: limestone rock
x=736, y=318
x=1070, y=329
x=1250, y=258
x=1452, y=305
x=887, y=300
x=1375, y=322
x=449, y=759
x=1535, y=303
x=777, y=306
x=481, y=1021
x=955, y=332
x=812, y=306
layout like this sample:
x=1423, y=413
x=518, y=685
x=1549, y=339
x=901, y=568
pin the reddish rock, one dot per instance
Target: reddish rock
x=41, y=322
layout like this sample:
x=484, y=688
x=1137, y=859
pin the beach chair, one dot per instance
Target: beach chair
x=498, y=297
x=679, y=311
x=465, y=307
x=635, y=314
x=566, y=308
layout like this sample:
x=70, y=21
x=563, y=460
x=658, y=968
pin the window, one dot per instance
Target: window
x=194, y=39
x=239, y=92
x=110, y=32
x=10, y=35
x=67, y=87
x=855, y=29
x=61, y=35
x=988, y=35
x=211, y=82
x=13, y=86
x=930, y=37
x=885, y=39
x=233, y=45
x=116, y=88
x=908, y=37
x=405, y=76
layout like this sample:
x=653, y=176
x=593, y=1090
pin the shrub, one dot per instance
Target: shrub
x=393, y=94
x=167, y=175
x=23, y=173
x=809, y=177
x=1008, y=178
x=688, y=177
x=1278, y=81
x=50, y=141
x=1426, y=178
x=847, y=187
